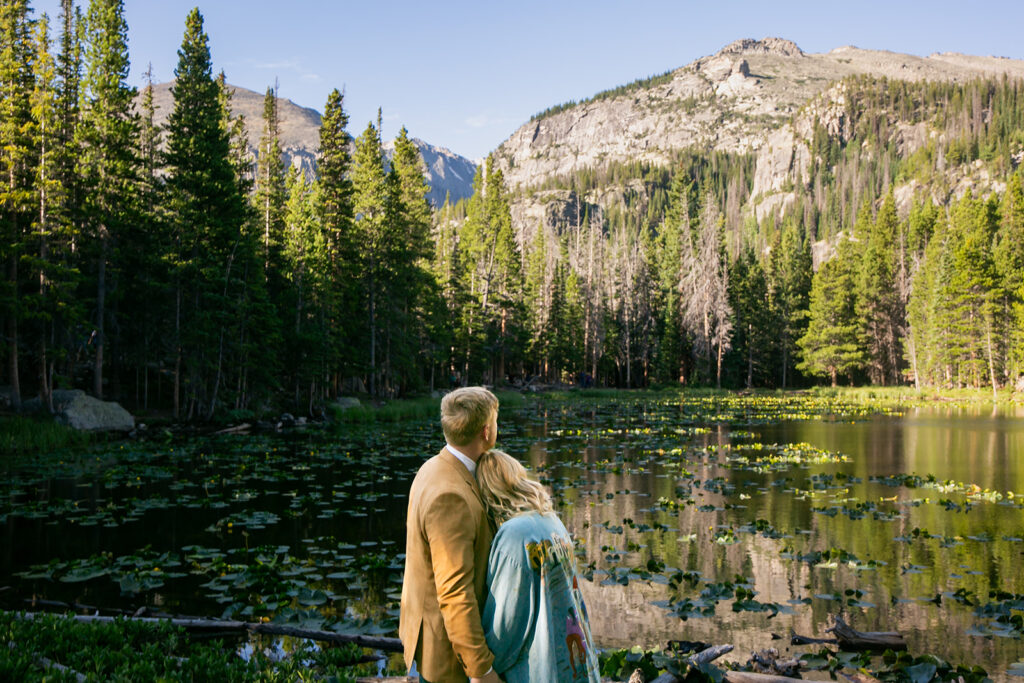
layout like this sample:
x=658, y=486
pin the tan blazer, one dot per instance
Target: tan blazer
x=448, y=538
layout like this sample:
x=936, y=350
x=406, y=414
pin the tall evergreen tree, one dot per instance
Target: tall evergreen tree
x=1009, y=260
x=377, y=232
x=831, y=346
x=789, y=282
x=748, y=298
x=207, y=214
x=109, y=163
x=270, y=194
x=17, y=168
x=51, y=292
x=878, y=296
x=415, y=289
x=492, y=267
x=334, y=204
x=974, y=293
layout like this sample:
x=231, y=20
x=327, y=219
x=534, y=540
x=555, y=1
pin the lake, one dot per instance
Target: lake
x=701, y=518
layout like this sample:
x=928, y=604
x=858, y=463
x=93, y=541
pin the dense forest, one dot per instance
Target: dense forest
x=167, y=268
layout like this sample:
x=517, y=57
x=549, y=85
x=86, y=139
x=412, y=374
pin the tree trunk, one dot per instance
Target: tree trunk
x=750, y=355
x=177, y=354
x=101, y=314
x=991, y=360
x=12, y=337
x=373, y=338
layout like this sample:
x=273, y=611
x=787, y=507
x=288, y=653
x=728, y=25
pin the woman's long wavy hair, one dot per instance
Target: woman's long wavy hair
x=507, y=489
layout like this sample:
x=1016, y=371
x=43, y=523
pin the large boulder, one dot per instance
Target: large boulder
x=78, y=410
x=344, y=403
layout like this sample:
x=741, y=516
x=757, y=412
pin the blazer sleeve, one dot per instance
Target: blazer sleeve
x=511, y=607
x=449, y=526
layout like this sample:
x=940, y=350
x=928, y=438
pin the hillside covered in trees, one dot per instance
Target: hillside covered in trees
x=169, y=268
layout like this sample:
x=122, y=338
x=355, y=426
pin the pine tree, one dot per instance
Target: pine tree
x=669, y=264
x=306, y=268
x=878, y=302
x=748, y=297
x=492, y=269
x=974, y=293
x=334, y=205
x=1009, y=260
x=144, y=274
x=48, y=229
x=17, y=168
x=375, y=233
x=789, y=282
x=270, y=196
x=831, y=345
x=109, y=162
x=207, y=212
x=415, y=288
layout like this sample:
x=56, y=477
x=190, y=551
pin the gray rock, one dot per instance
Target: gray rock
x=1019, y=385
x=347, y=402
x=78, y=410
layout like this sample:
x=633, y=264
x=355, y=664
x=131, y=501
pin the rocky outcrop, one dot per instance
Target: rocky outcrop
x=78, y=410
x=752, y=96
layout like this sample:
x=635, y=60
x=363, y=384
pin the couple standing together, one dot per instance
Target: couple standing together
x=479, y=604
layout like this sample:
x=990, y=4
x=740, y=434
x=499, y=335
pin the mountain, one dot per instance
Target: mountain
x=758, y=97
x=447, y=172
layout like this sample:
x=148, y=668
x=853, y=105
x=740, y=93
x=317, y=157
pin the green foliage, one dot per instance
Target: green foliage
x=132, y=650
x=31, y=435
x=832, y=344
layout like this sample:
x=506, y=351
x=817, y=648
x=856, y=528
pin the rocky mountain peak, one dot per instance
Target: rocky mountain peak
x=766, y=46
x=448, y=174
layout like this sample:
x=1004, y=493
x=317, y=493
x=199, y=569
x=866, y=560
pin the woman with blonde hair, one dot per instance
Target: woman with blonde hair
x=534, y=618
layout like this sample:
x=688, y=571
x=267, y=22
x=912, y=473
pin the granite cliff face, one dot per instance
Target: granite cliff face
x=447, y=172
x=752, y=96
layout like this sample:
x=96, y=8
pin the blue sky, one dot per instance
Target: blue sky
x=465, y=74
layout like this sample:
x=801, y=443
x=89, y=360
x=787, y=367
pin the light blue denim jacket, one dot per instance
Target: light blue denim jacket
x=534, y=619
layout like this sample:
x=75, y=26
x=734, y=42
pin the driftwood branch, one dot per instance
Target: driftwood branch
x=858, y=677
x=50, y=664
x=865, y=640
x=751, y=677
x=215, y=626
x=702, y=657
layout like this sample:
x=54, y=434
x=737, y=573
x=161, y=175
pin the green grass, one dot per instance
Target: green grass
x=402, y=410
x=912, y=396
x=37, y=435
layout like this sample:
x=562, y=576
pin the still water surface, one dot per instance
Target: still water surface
x=675, y=503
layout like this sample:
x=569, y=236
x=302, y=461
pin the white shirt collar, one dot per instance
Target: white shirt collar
x=470, y=465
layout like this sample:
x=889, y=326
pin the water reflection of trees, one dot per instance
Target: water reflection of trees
x=902, y=590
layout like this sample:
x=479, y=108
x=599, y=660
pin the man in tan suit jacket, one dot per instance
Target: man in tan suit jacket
x=448, y=539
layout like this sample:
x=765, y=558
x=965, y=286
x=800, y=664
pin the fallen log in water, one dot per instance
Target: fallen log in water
x=797, y=639
x=865, y=640
x=703, y=657
x=221, y=627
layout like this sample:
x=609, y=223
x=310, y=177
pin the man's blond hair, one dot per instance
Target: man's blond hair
x=465, y=412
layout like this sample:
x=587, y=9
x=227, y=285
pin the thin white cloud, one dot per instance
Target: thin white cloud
x=290, y=64
x=478, y=121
